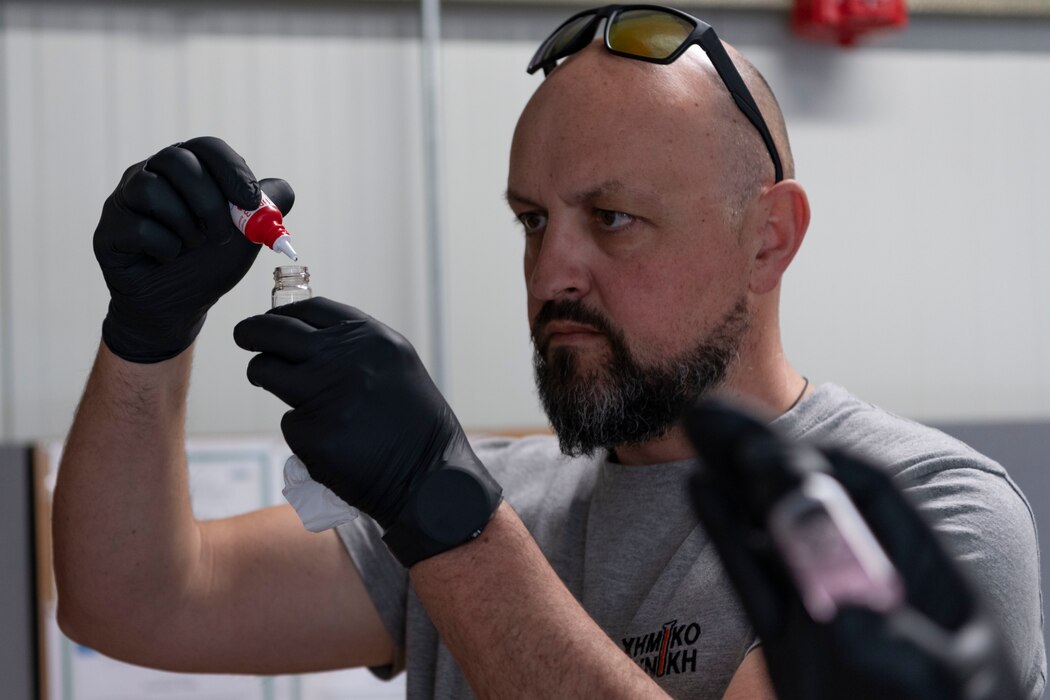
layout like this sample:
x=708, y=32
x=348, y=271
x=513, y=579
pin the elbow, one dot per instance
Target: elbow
x=70, y=622
x=106, y=623
x=88, y=626
x=69, y=609
x=87, y=610
x=79, y=617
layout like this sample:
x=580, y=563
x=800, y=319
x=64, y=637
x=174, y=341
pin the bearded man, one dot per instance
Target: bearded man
x=659, y=214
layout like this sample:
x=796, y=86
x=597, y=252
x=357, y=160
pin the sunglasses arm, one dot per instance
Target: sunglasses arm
x=712, y=45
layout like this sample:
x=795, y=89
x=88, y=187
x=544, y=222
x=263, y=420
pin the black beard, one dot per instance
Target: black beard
x=623, y=403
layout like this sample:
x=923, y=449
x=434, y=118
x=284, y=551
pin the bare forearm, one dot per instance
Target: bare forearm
x=123, y=527
x=514, y=628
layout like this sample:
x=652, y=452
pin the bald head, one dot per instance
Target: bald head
x=650, y=213
x=610, y=98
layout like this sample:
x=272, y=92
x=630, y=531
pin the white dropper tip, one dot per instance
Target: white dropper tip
x=283, y=244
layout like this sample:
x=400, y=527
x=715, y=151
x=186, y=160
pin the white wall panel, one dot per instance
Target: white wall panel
x=919, y=287
x=490, y=376
x=325, y=99
x=919, y=284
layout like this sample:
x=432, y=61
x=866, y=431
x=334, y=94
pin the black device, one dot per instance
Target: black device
x=865, y=610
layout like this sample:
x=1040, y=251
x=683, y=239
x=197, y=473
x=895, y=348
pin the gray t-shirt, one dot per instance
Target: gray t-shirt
x=627, y=544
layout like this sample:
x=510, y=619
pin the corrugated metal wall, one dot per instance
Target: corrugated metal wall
x=326, y=99
x=921, y=285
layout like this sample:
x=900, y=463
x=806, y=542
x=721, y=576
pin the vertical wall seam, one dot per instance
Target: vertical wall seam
x=6, y=308
x=430, y=58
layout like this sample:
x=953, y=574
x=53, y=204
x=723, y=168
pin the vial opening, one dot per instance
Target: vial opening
x=291, y=271
x=290, y=283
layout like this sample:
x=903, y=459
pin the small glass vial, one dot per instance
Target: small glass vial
x=290, y=283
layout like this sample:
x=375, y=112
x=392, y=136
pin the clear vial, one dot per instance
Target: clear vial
x=318, y=508
x=290, y=283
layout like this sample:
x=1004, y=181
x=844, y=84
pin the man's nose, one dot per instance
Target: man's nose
x=557, y=266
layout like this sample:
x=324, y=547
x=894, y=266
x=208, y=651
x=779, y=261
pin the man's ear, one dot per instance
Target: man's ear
x=783, y=213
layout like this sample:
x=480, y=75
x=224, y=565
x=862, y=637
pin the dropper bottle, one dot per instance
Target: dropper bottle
x=264, y=225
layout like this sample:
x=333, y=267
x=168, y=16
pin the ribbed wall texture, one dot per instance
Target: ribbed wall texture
x=920, y=286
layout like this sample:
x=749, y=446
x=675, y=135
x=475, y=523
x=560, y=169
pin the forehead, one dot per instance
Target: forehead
x=621, y=117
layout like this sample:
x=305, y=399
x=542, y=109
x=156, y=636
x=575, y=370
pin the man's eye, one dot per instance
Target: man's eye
x=532, y=221
x=613, y=219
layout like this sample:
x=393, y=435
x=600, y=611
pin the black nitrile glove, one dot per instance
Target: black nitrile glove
x=368, y=423
x=168, y=247
x=935, y=645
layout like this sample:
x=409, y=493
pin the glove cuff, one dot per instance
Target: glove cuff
x=151, y=345
x=451, y=507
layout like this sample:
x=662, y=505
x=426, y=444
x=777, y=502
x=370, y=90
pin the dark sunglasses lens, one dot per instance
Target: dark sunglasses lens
x=648, y=33
x=558, y=45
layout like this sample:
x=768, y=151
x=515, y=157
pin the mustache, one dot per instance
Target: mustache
x=567, y=310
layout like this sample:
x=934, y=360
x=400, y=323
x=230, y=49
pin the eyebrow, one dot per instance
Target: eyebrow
x=513, y=197
x=606, y=188
x=609, y=187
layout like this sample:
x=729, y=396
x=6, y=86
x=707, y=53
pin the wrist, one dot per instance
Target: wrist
x=143, y=395
x=450, y=507
x=148, y=343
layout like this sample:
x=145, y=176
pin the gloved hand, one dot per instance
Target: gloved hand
x=934, y=644
x=168, y=247
x=368, y=423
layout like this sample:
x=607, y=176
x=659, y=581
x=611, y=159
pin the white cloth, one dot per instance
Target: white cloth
x=317, y=506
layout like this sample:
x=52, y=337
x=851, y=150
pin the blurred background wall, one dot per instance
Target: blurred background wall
x=921, y=285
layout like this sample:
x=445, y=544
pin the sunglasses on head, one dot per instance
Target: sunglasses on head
x=658, y=35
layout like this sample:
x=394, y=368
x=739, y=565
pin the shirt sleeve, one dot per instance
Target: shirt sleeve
x=385, y=580
x=988, y=528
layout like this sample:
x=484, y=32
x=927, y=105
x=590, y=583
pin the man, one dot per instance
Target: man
x=656, y=235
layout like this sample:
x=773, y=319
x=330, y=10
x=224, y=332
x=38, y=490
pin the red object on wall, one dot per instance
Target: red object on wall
x=842, y=21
